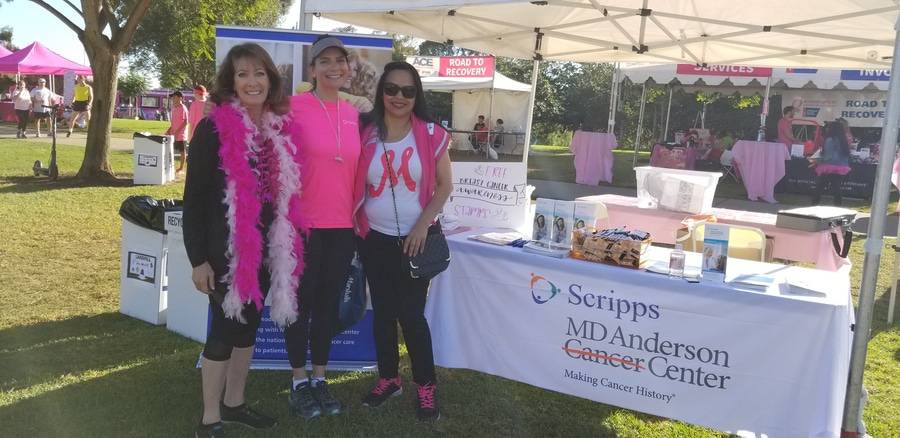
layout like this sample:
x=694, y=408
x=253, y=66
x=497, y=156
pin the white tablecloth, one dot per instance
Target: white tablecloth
x=737, y=361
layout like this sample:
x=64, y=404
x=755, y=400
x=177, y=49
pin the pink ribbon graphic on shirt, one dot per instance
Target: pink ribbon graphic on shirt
x=387, y=159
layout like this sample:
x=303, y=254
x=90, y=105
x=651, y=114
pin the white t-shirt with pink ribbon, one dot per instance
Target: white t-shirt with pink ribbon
x=407, y=172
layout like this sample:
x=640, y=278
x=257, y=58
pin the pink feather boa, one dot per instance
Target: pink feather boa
x=239, y=138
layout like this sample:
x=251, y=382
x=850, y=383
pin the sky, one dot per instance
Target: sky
x=31, y=22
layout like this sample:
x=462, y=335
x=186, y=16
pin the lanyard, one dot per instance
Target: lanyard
x=337, y=133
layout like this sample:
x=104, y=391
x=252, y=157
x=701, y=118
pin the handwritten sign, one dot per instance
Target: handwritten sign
x=488, y=194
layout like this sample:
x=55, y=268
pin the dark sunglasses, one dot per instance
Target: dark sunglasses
x=408, y=91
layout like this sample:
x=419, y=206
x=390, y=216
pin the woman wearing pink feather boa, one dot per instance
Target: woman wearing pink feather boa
x=241, y=221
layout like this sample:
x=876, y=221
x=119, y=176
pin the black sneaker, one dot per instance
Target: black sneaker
x=329, y=404
x=427, y=410
x=248, y=417
x=68, y=134
x=383, y=390
x=215, y=430
x=303, y=403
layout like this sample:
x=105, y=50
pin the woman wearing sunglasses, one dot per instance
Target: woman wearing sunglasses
x=403, y=181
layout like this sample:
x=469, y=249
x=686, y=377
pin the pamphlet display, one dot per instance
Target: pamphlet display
x=543, y=214
x=563, y=221
x=588, y=214
x=715, y=250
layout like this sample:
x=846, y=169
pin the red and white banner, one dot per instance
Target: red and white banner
x=724, y=70
x=453, y=66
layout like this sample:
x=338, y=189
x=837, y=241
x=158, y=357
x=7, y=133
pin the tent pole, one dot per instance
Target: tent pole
x=765, y=109
x=637, y=134
x=668, y=112
x=703, y=116
x=491, y=113
x=611, y=122
x=535, y=71
x=873, y=247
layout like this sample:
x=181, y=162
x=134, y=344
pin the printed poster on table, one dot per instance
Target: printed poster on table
x=488, y=194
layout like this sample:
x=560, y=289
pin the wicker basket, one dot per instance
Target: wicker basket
x=619, y=252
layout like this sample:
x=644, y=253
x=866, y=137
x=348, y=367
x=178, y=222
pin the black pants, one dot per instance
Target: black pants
x=225, y=334
x=22, y=115
x=397, y=297
x=327, y=254
x=835, y=181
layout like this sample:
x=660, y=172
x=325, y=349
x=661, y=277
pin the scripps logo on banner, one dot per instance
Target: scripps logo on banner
x=542, y=290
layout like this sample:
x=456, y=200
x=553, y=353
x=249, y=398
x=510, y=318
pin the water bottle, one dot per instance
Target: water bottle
x=676, y=262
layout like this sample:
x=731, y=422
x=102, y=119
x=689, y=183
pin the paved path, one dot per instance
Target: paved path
x=78, y=138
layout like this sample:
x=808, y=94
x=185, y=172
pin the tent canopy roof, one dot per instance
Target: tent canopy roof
x=756, y=77
x=818, y=33
x=500, y=82
x=37, y=59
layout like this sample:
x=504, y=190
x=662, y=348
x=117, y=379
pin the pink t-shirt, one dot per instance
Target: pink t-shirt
x=195, y=114
x=327, y=200
x=179, y=126
x=785, y=134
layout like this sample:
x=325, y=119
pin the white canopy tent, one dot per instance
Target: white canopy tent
x=807, y=33
x=836, y=84
x=496, y=98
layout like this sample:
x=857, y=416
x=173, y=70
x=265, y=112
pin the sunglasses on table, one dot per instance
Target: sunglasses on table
x=408, y=91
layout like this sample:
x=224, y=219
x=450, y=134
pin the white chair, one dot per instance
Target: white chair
x=727, y=162
x=746, y=243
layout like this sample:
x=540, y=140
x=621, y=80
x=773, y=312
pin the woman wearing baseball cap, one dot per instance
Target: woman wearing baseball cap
x=326, y=131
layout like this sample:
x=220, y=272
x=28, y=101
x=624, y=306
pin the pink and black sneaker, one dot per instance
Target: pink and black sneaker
x=383, y=390
x=427, y=406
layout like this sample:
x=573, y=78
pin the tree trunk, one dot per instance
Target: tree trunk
x=95, y=166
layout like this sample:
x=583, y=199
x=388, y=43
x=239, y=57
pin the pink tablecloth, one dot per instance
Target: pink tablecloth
x=762, y=166
x=797, y=246
x=674, y=158
x=593, y=156
x=7, y=112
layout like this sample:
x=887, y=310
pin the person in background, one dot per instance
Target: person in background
x=498, y=134
x=479, y=137
x=847, y=132
x=41, y=97
x=403, y=181
x=22, y=105
x=327, y=134
x=198, y=110
x=179, y=126
x=833, y=164
x=81, y=103
x=785, y=130
x=726, y=141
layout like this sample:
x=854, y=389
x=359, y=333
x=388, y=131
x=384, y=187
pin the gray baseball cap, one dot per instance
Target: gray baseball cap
x=319, y=46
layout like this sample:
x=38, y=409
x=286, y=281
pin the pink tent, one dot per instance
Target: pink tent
x=39, y=60
x=4, y=51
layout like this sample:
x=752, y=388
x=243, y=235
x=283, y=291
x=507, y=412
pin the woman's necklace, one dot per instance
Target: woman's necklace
x=337, y=133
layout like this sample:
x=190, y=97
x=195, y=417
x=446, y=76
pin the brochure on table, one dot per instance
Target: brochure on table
x=715, y=251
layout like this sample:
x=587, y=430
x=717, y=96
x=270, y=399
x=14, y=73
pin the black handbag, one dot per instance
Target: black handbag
x=435, y=256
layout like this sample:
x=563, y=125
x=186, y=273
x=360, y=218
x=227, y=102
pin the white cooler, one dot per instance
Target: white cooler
x=142, y=278
x=154, y=159
x=188, y=307
x=687, y=191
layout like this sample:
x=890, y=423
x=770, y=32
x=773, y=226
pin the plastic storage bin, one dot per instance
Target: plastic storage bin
x=188, y=307
x=687, y=191
x=154, y=161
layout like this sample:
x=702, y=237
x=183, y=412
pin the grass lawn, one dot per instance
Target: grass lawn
x=71, y=365
x=125, y=128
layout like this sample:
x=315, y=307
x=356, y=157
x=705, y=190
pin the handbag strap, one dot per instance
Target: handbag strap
x=390, y=181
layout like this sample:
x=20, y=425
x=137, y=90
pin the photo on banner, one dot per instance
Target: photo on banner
x=353, y=349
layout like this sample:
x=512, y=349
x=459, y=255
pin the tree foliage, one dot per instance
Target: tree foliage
x=178, y=43
x=6, y=36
